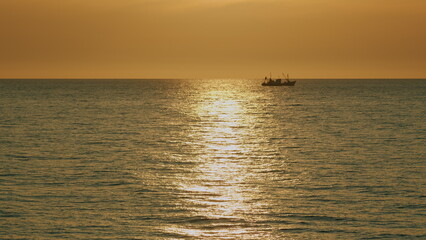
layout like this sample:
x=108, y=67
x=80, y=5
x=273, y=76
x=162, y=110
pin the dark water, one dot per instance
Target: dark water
x=212, y=159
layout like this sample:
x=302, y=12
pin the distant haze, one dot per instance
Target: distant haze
x=212, y=39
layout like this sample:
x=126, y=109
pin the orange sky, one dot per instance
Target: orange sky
x=212, y=38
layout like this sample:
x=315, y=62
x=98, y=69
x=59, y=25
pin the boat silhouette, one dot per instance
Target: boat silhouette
x=278, y=82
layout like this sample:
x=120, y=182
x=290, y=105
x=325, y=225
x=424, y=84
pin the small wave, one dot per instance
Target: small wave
x=295, y=230
x=6, y=214
x=113, y=183
x=18, y=157
x=208, y=220
x=311, y=218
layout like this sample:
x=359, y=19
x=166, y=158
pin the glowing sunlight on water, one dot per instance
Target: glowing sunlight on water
x=219, y=181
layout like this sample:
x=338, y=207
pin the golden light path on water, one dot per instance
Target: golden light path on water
x=220, y=180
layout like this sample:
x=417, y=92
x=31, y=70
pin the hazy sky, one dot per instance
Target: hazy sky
x=212, y=38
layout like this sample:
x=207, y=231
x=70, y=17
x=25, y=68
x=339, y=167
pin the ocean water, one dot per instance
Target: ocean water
x=212, y=159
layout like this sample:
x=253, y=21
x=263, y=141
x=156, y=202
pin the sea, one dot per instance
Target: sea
x=212, y=159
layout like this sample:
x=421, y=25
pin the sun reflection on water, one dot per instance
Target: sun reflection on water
x=218, y=189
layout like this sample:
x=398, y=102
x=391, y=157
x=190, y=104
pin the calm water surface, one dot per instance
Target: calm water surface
x=212, y=159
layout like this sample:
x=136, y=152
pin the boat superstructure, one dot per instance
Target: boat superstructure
x=278, y=82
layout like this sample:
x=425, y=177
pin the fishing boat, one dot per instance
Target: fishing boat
x=278, y=82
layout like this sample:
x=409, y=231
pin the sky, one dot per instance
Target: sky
x=212, y=38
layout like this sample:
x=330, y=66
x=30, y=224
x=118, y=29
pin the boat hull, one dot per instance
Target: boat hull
x=290, y=83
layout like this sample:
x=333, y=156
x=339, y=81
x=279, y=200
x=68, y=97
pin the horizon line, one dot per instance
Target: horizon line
x=217, y=78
